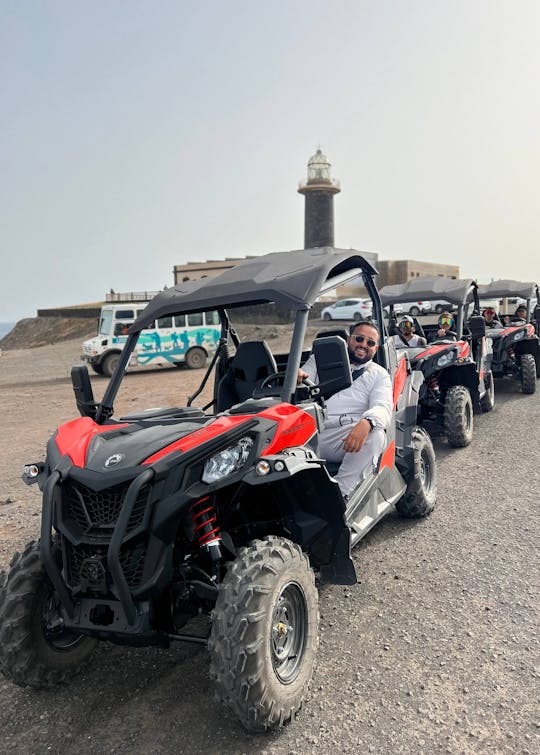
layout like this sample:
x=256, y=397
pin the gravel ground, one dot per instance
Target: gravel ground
x=436, y=650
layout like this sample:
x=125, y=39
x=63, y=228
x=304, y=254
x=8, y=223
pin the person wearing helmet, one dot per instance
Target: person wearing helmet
x=520, y=314
x=445, y=325
x=490, y=316
x=406, y=335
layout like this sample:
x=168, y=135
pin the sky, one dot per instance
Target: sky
x=139, y=135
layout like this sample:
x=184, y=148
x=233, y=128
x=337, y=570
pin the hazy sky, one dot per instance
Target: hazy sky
x=136, y=135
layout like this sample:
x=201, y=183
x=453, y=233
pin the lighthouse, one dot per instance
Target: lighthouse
x=319, y=190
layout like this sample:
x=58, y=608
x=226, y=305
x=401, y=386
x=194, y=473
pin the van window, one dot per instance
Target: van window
x=195, y=318
x=180, y=321
x=124, y=314
x=165, y=322
x=212, y=318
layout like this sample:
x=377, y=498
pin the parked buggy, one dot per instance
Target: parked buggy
x=516, y=353
x=457, y=369
x=227, y=511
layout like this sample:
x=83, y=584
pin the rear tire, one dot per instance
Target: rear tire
x=458, y=416
x=528, y=374
x=108, y=365
x=421, y=493
x=414, y=311
x=196, y=358
x=487, y=402
x=264, y=633
x=357, y=317
x=35, y=650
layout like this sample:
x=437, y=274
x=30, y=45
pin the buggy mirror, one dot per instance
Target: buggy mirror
x=82, y=388
x=477, y=326
x=333, y=368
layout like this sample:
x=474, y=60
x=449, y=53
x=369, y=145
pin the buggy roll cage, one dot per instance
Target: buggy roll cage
x=292, y=279
x=502, y=289
x=460, y=292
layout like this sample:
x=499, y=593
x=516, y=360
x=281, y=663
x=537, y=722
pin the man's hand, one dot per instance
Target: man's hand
x=441, y=332
x=301, y=376
x=357, y=437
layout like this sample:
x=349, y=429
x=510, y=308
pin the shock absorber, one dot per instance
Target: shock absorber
x=207, y=531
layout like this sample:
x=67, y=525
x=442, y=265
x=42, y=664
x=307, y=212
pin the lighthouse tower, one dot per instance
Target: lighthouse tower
x=319, y=190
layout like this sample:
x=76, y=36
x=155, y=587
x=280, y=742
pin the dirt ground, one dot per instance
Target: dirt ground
x=435, y=650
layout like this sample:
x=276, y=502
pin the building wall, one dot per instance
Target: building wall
x=400, y=271
x=207, y=269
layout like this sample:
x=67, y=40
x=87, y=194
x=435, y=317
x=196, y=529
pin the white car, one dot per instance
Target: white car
x=348, y=309
x=413, y=308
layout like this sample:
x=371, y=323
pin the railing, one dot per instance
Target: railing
x=130, y=296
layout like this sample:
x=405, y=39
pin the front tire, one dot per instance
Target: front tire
x=414, y=311
x=487, y=402
x=421, y=493
x=35, y=650
x=528, y=374
x=439, y=309
x=458, y=416
x=327, y=316
x=264, y=633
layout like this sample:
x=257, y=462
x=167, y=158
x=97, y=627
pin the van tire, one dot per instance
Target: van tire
x=98, y=369
x=196, y=358
x=108, y=364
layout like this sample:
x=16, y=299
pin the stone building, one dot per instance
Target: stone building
x=400, y=271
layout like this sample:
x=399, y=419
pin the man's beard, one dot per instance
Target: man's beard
x=358, y=360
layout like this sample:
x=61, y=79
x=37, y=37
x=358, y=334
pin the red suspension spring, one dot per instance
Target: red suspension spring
x=203, y=515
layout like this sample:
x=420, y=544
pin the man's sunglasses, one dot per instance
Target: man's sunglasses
x=446, y=321
x=405, y=325
x=369, y=341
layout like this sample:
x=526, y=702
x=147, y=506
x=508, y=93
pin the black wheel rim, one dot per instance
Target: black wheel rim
x=53, y=628
x=468, y=417
x=426, y=472
x=288, y=632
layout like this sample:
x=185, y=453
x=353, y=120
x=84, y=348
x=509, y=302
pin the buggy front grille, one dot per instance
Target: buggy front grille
x=99, y=510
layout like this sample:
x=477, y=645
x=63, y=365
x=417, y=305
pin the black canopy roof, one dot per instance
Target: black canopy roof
x=502, y=288
x=428, y=287
x=293, y=279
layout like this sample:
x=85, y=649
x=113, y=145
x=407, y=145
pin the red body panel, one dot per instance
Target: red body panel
x=388, y=457
x=73, y=437
x=220, y=425
x=463, y=346
x=400, y=378
x=294, y=428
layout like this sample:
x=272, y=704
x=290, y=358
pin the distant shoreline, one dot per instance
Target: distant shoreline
x=5, y=327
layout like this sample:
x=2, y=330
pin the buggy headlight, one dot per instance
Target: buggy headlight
x=446, y=359
x=519, y=335
x=227, y=461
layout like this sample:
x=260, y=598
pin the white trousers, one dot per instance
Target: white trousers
x=352, y=464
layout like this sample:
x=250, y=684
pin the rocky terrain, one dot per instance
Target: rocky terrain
x=435, y=650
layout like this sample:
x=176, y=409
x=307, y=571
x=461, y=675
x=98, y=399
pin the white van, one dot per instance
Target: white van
x=188, y=339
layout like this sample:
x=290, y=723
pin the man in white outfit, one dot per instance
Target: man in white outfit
x=357, y=417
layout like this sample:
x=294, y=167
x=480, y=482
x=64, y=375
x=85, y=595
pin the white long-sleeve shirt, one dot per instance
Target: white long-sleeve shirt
x=370, y=395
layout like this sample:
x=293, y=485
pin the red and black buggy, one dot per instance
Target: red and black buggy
x=457, y=368
x=516, y=352
x=225, y=511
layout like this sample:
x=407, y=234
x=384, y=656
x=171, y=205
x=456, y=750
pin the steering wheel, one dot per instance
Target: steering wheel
x=279, y=377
